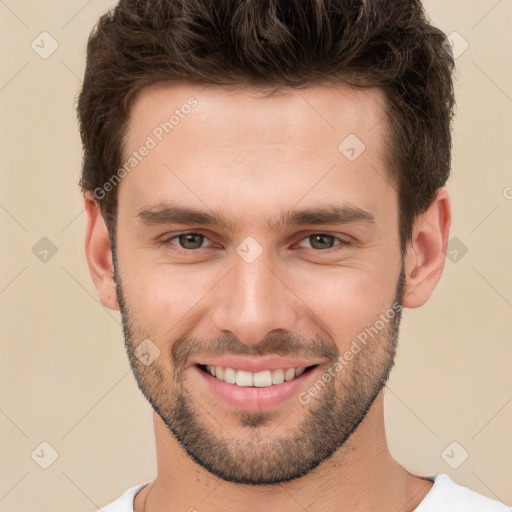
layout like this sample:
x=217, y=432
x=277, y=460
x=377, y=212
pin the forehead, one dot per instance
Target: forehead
x=323, y=111
x=224, y=144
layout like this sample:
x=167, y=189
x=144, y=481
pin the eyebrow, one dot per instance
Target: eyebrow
x=168, y=213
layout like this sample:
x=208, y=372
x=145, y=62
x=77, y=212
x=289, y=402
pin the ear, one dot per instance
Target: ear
x=99, y=253
x=426, y=253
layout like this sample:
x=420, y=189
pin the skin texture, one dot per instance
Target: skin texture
x=252, y=158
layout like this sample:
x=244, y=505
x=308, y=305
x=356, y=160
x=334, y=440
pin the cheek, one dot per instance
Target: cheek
x=169, y=300
x=164, y=295
x=346, y=301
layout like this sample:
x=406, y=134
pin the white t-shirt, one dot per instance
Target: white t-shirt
x=444, y=496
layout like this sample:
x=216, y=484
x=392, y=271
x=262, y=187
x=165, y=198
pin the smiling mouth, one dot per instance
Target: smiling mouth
x=263, y=379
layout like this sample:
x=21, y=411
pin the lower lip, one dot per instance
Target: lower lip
x=255, y=399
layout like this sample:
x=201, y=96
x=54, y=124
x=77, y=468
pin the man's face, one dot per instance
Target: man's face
x=260, y=292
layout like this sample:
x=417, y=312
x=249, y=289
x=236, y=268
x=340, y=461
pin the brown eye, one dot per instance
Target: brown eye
x=324, y=242
x=185, y=242
x=191, y=241
x=321, y=241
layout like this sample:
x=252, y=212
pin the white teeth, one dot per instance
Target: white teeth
x=289, y=374
x=229, y=375
x=299, y=371
x=243, y=378
x=277, y=376
x=261, y=379
x=219, y=372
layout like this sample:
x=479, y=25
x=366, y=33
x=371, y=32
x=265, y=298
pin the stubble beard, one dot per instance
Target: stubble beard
x=260, y=456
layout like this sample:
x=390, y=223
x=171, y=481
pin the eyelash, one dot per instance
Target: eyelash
x=168, y=242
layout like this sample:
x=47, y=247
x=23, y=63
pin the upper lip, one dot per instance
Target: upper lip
x=255, y=364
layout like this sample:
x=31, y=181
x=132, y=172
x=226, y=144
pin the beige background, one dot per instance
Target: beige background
x=64, y=376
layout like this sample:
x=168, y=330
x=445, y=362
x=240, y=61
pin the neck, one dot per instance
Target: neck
x=360, y=476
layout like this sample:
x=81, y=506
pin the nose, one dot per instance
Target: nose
x=253, y=300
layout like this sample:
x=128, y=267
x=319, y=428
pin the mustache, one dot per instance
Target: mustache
x=285, y=344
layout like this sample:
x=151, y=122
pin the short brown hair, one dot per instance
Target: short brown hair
x=276, y=44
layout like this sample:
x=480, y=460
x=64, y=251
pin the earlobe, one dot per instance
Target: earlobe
x=99, y=254
x=426, y=253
